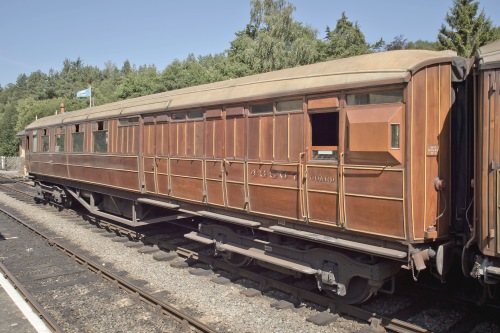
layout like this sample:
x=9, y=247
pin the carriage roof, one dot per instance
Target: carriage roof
x=371, y=69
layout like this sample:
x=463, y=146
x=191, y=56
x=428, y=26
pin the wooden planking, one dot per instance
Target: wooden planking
x=281, y=142
x=445, y=116
x=235, y=195
x=186, y=168
x=376, y=216
x=230, y=134
x=281, y=202
x=187, y=188
x=296, y=136
x=432, y=126
x=418, y=150
x=254, y=138
x=383, y=183
x=323, y=207
x=266, y=138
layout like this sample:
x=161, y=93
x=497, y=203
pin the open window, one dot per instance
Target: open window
x=77, y=138
x=35, y=141
x=45, y=140
x=324, y=135
x=60, y=139
x=100, y=136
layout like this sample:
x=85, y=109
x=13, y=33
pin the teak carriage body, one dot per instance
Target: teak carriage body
x=344, y=169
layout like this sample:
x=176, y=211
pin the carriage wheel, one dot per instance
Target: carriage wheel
x=357, y=291
x=236, y=259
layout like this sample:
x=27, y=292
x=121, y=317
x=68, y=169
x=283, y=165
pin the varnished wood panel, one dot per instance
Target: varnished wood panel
x=187, y=188
x=267, y=138
x=374, y=182
x=296, y=136
x=149, y=139
x=323, y=207
x=322, y=179
x=162, y=139
x=162, y=182
x=172, y=138
x=445, y=142
x=215, y=193
x=198, y=139
x=376, y=216
x=235, y=172
x=418, y=150
x=162, y=165
x=214, y=170
x=254, y=138
x=273, y=175
x=281, y=141
x=103, y=161
x=230, y=133
x=190, y=140
x=189, y=168
x=149, y=182
x=323, y=102
x=275, y=201
x=240, y=138
x=433, y=129
x=235, y=195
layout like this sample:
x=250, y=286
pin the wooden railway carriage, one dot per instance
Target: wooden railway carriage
x=340, y=169
x=485, y=237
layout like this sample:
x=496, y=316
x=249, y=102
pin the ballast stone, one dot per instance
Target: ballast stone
x=323, y=318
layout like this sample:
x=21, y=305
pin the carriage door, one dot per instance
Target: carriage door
x=149, y=155
x=321, y=163
x=155, y=154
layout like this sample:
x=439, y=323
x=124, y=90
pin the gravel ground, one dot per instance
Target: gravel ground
x=221, y=306
x=77, y=299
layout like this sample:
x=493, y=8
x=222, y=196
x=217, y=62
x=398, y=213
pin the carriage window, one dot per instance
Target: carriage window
x=35, y=142
x=129, y=121
x=195, y=114
x=60, y=142
x=178, y=116
x=45, y=141
x=261, y=108
x=395, y=136
x=380, y=97
x=100, y=136
x=77, y=138
x=289, y=106
x=325, y=135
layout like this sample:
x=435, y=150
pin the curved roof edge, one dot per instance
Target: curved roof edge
x=354, y=72
x=488, y=55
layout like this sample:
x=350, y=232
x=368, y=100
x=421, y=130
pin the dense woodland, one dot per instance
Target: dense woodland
x=271, y=40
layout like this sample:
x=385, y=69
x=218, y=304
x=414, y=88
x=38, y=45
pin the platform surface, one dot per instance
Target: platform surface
x=12, y=318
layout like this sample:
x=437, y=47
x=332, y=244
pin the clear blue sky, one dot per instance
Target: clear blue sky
x=39, y=35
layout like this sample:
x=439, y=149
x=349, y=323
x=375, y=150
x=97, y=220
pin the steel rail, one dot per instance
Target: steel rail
x=184, y=319
x=375, y=319
x=28, y=297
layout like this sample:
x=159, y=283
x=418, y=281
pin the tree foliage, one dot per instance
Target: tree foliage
x=8, y=141
x=345, y=40
x=466, y=31
x=273, y=39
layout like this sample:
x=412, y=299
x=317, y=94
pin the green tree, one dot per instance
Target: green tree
x=273, y=39
x=8, y=141
x=145, y=81
x=466, y=31
x=422, y=45
x=346, y=40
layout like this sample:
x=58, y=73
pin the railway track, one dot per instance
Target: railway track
x=53, y=275
x=397, y=320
